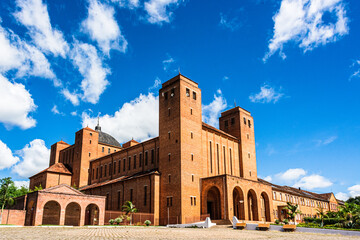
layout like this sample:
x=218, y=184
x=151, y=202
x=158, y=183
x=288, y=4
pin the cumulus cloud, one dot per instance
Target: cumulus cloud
x=33, y=14
x=138, y=119
x=7, y=159
x=56, y=111
x=157, y=84
x=20, y=184
x=313, y=181
x=291, y=174
x=211, y=112
x=354, y=191
x=89, y=64
x=34, y=158
x=268, y=178
x=23, y=57
x=356, y=73
x=102, y=27
x=16, y=105
x=72, y=97
x=159, y=11
x=267, y=94
x=304, y=22
x=342, y=196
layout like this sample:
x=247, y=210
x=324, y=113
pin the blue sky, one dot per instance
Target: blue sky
x=295, y=64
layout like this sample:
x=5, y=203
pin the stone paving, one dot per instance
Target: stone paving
x=218, y=232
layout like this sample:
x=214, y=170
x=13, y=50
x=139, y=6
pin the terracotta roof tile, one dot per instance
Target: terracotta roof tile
x=56, y=168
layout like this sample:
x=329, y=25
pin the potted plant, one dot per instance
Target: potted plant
x=118, y=220
x=147, y=222
x=111, y=221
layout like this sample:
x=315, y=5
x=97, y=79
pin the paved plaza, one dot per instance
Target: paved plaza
x=218, y=232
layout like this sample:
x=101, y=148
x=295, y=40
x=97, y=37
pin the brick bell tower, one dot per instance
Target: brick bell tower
x=180, y=127
x=239, y=123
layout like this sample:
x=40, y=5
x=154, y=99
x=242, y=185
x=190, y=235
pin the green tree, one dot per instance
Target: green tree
x=130, y=209
x=292, y=210
x=355, y=200
x=6, y=189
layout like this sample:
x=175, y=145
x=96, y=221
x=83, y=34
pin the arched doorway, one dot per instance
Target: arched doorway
x=252, y=206
x=92, y=215
x=238, y=203
x=213, y=203
x=265, y=207
x=72, y=214
x=51, y=213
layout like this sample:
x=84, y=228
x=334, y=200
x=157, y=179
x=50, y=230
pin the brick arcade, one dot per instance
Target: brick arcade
x=189, y=171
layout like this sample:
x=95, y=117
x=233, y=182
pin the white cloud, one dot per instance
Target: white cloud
x=157, y=84
x=302, y=21
x=22, y=184
x=56, y=111
x=102, y=27
x=211, y=112
x=326, y=141
x=16, y=104
x=26, y=59
x=168, y=62
x=86, y=59
x=159, y=11
x=267, y=94
x=342, y=196
x=356, y=74
x=225, y=78
x=231, y=24
x=34, y=16
x=138, y=119
x=291, y=174
x=35, y=157
x=74, y=113
x=127, y=3
x=72, y=97
x=7, y=159
x=354, y=191
x=268, y=178
x=313, y=181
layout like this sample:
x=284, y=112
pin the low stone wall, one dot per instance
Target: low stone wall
x=15, y=217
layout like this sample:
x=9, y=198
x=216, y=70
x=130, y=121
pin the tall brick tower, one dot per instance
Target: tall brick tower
x=86, y=147
x=239, y=123
x=180, y=127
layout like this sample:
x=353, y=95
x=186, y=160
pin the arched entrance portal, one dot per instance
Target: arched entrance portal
x=252, y=206
x=92, y=215
x=265, y=207
x=51, y=213
x=238, y=203
x=213, y=203
x=72, y=214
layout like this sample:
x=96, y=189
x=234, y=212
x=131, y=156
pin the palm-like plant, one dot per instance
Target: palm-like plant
x=5, y=197
x=292, y=211
x=322, y=214
x=129, y=208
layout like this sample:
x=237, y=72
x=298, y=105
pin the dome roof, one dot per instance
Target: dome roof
x=108, y=139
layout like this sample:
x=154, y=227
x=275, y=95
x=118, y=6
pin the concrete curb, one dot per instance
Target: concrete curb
x=10, y=226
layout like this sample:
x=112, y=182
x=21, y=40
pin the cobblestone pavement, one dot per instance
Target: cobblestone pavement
x=218, y=232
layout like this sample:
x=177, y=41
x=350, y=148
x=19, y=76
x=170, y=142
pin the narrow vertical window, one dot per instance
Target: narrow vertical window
x=192, y=177
x=105, y=170
x=169, y=134
x=192, y=135
x=191, y=111
x=145, y=195
x=244, y=120
x=224, y=159
x=211, y=168
x=146, y=158
x=169, y=176
x=97, y=173
x=102, y=149
x=131, y=195
x=129, y=163
x=140, y=159
x=194, y=95
x=124, y=160
x=231, y=168
x=101, y=171
x=218, y=157
x=134, y=161
x=108, y=150
x=169, y=156
x=118, y=200
x=194, y=201
x=169, y=112
x=249, y=123
x=110, y=169
x=192, y=157
x=152, y=156
x=114, y=167
x=119, y=167
x=188, y=92
x=191, y=200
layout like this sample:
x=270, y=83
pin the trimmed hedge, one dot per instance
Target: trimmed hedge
x=327, y=221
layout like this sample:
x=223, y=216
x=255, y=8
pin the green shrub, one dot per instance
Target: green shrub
x=277, y=221
x=118, y=220
x=111, y=221
x=286, y=221
x=147, y=222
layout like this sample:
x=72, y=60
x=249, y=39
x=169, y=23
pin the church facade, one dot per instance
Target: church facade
x=190, y=171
